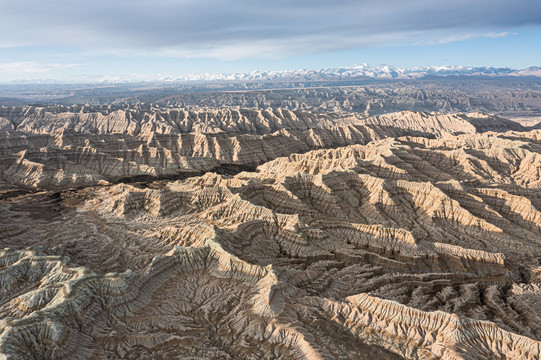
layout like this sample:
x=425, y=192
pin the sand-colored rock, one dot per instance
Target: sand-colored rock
x=410, y=236
x=58, y=147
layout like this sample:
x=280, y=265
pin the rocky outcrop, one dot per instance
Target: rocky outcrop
x=451, y=96
x=147, y=120
x=81, y=146
x=393, y=238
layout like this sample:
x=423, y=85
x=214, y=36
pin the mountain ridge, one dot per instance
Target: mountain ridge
x=363, y=70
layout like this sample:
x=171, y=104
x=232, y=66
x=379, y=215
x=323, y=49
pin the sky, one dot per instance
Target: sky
x=108, y=39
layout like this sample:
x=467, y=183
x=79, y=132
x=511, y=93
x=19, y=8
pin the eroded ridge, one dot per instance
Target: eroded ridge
x=400, y=246
x=58, y=146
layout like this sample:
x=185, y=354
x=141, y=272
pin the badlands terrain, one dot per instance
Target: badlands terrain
x=285, y=232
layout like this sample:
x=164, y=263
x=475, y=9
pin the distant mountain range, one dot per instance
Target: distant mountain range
x=363, y=71
x=360, y=71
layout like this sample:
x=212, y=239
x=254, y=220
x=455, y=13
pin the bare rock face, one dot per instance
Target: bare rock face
x=58, y=147
x=407, y=235
x=452, y=96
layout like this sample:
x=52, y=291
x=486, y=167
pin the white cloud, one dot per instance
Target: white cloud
x=237, y=29
x=468, y=36
x=29, y=67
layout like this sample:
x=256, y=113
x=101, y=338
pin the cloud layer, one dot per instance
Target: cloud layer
x=253, y=28
x=33, y=67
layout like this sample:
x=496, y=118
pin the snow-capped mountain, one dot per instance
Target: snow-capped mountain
x=359, y=71
x=333, y=74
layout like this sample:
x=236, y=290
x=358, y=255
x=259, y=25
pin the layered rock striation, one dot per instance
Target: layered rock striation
x=407, y=235
x=81, y=145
